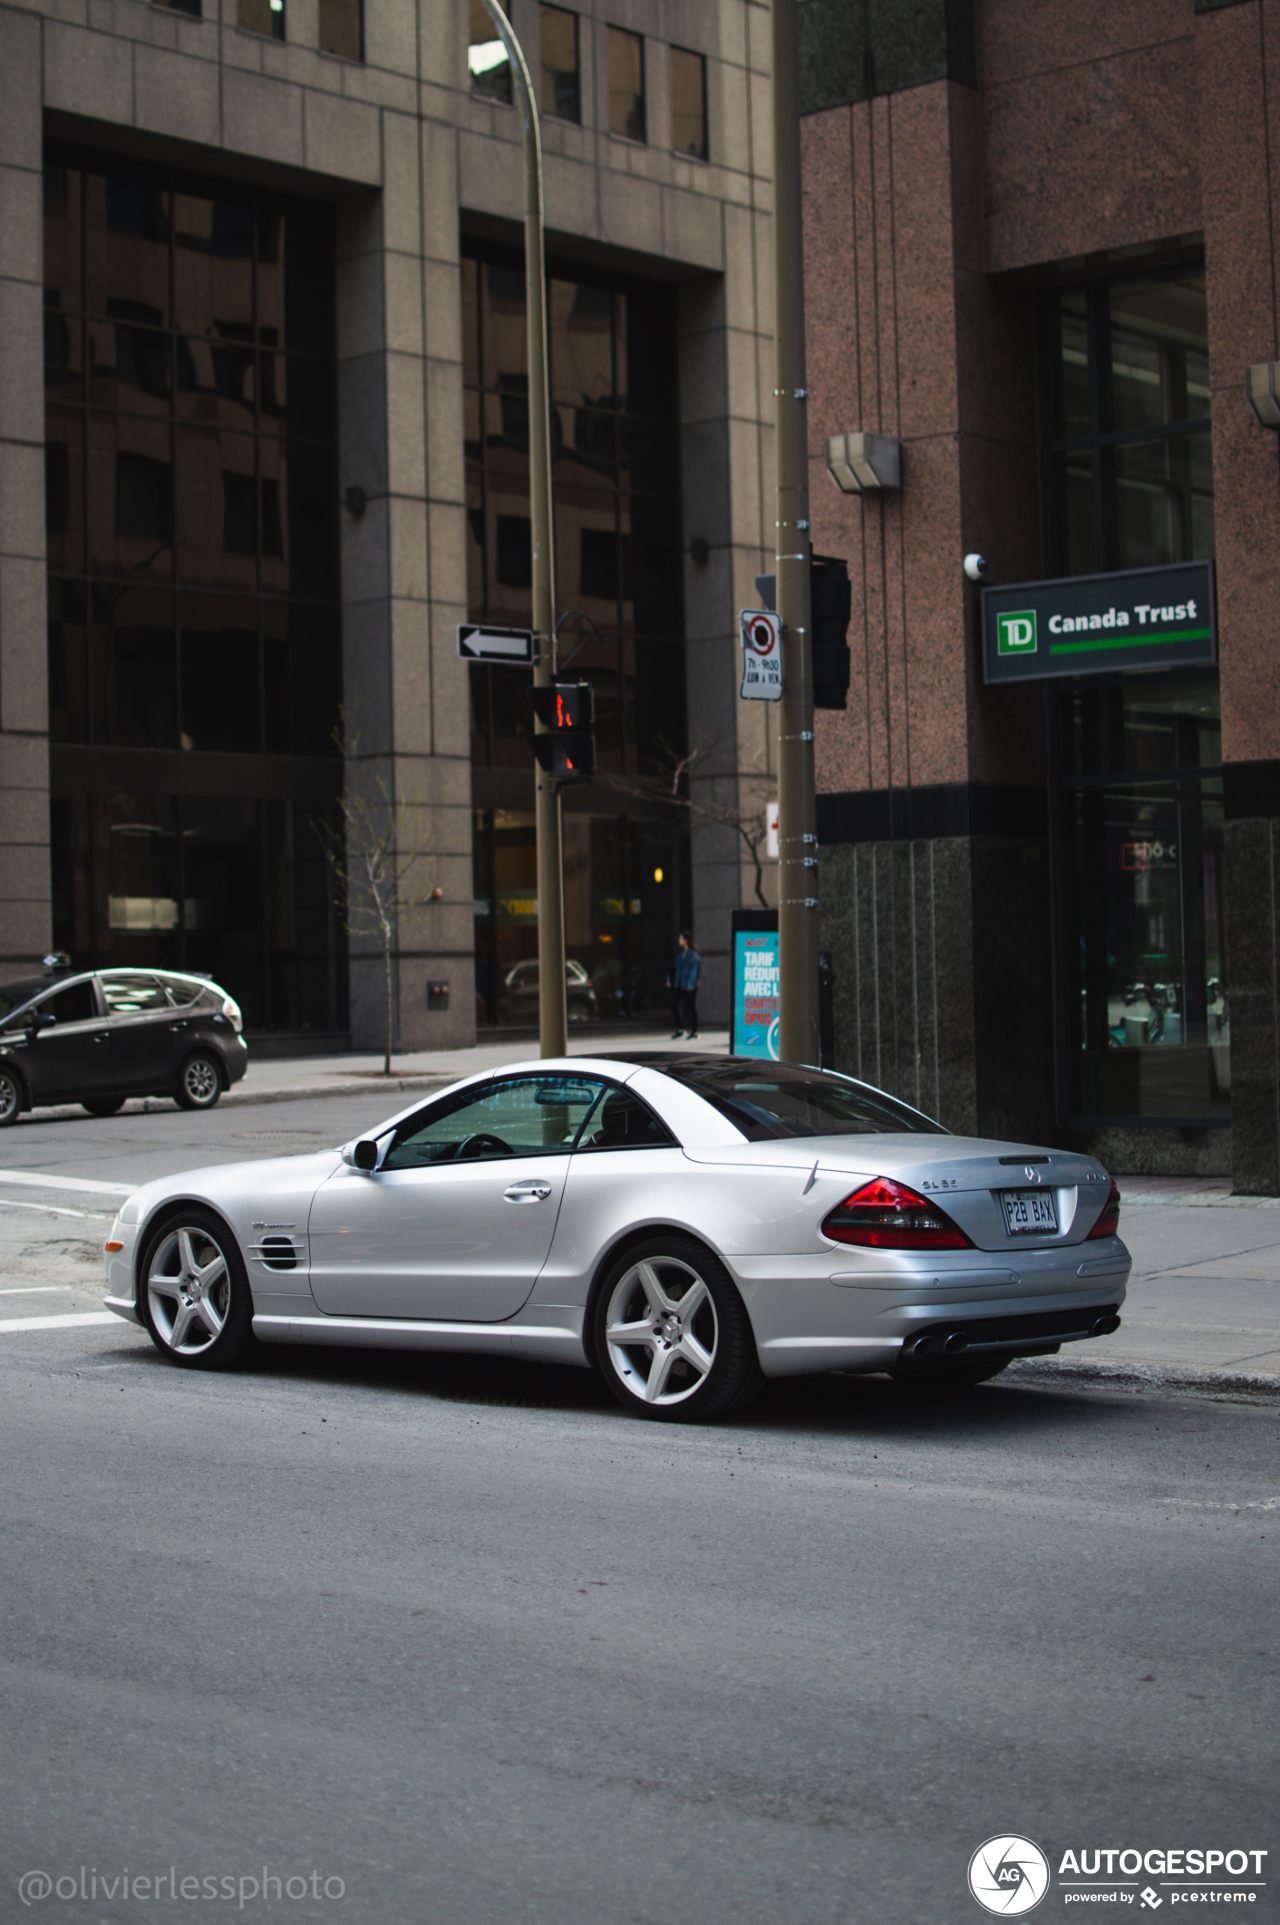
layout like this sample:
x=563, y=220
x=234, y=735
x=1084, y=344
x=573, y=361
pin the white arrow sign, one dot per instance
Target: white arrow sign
x=476, y=644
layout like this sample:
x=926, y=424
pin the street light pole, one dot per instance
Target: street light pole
x=552, y=1014
x=797, y=840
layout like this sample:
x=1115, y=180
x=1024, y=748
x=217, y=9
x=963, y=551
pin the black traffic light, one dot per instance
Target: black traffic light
x=830, y=607
x=568, y=749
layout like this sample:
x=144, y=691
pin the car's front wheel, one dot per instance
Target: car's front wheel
x=193, y=1292
x=672, y=1337
x=10, y=1097
x=199, y=1084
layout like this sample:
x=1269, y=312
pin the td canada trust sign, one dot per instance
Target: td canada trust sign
x=1096, y=624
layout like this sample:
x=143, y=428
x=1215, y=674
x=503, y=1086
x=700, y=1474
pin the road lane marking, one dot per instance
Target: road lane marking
x=38, y=1289
x=52, y=1209
x=71, y=1320
x=45, y=1182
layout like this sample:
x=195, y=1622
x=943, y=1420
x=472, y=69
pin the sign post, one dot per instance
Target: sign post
x=1096, y=624
x=479, y=644
x=761, y=655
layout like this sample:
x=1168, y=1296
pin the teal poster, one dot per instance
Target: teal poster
x=755, y=993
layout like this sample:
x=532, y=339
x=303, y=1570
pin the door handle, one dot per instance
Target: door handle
x=527, y=1193
x=103, y=1036
x=177, y=1025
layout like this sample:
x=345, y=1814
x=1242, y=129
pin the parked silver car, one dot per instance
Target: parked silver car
x=686, y=1225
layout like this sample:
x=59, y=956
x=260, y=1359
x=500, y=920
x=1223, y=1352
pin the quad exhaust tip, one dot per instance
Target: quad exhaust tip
x=937, y=1343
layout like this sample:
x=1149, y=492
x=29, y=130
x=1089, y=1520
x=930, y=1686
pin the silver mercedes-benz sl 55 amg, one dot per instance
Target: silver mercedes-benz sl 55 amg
x=686, y=1225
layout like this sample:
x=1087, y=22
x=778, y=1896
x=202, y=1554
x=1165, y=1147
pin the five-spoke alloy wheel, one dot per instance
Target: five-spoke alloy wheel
x=199, y=1084
x=193, y=1292
x=671, y=1334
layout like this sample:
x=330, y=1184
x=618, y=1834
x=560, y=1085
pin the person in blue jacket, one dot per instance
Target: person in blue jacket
x=683, y=981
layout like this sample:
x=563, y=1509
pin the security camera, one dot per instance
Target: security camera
x=975, y=567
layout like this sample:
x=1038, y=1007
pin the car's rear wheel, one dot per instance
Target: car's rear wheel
x=102, y=1105
x=193, y=1292
x=10, y=1098
x=199, y=1083
x=672, y=1338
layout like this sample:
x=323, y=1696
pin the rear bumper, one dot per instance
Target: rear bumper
x=820, y=1313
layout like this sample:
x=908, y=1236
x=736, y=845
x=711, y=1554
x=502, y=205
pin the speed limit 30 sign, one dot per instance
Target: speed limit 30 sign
x=761, y=655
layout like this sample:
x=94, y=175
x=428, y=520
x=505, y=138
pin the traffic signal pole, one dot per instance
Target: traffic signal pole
x=553, y=1026
x=797, y=838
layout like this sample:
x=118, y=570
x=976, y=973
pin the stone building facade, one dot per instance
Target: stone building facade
x=1040, y=252
x=255, y=470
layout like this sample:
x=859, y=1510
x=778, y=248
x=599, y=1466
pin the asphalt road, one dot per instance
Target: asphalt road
x=463, y=1637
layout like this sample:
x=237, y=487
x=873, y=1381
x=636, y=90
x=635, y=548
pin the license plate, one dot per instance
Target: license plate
x=1029, y=1212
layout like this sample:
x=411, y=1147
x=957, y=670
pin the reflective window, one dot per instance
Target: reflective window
x=487, y=61
x=341, y=28
x=620, y=1121
x=75, y=1004
x=519, y=1116
x=775, y=1100
x=561, y=93
x=133, y=995
x=190, y=473
x=625, y=54
x=1130, y=461
x=688, y=103
x=1149, y=1032
x=261, y=16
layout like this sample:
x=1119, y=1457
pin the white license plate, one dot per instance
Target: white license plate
x=1029, y=1212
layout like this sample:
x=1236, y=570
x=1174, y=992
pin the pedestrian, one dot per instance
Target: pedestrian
x=683, y=979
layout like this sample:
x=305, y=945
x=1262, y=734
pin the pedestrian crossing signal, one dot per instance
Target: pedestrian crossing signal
x=566, y=746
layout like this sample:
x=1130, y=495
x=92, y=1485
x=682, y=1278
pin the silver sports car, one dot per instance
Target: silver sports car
x=686, y=1225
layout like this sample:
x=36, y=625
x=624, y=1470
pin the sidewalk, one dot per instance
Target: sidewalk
x=274, y=1080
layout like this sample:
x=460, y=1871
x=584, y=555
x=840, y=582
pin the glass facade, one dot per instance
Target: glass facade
x=1136, y=760
x=619, y=594
x=191, y=506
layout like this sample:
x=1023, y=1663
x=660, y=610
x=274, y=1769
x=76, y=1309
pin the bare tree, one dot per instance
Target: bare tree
x=669, y=783
x=370, y=856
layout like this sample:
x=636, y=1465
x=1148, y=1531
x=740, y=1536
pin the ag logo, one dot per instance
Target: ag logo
x=1016, y=634
x=1008, y=1875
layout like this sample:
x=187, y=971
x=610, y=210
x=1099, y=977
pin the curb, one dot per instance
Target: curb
x=1188, y=1379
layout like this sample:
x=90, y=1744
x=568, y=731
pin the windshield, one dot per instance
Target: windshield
x=13, y=995
x=769, y=1100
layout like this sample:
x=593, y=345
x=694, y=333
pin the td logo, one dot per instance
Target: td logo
x=1016, y=634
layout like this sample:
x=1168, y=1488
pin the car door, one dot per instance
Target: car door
x=145, y=1044
x=65, y=1046
x=457, y=1221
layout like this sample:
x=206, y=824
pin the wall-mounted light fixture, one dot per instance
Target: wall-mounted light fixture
x=1263, y=381
x=862, y=463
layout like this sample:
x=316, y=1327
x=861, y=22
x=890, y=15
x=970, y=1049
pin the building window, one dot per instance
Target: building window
x=1130, y=458
x=487, y=61
x=626, y=84
x=261, y=16
x=1139, y=768
x=342, y=28
x=191, y=512
x=618, y=562
x=561, y=86
x=182, y=6
x=688, y=103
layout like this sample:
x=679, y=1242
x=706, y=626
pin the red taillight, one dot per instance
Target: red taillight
x=888, y=1216
x=1108, y=1224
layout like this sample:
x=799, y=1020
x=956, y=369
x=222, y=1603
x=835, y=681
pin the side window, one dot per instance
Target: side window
x=182, y=994
x=621, y=1122
x=131, y=995
x=75, y=1004
x=519, y=1116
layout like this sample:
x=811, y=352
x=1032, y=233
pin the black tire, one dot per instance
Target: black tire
x=188, y=1248
x=958, y=1376
x=11, y=1095
x=644, y=1290
x=102, y=1105
x=199, y=1082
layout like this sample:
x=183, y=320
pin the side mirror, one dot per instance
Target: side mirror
x=360, y=1155
x=37, y=1022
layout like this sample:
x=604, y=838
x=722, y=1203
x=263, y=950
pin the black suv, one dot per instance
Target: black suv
x=110, y=1033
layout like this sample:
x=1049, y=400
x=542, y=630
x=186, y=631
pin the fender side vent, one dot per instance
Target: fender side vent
x=278, y=1253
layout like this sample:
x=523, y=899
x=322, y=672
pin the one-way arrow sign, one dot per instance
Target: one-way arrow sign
x=476, y=644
